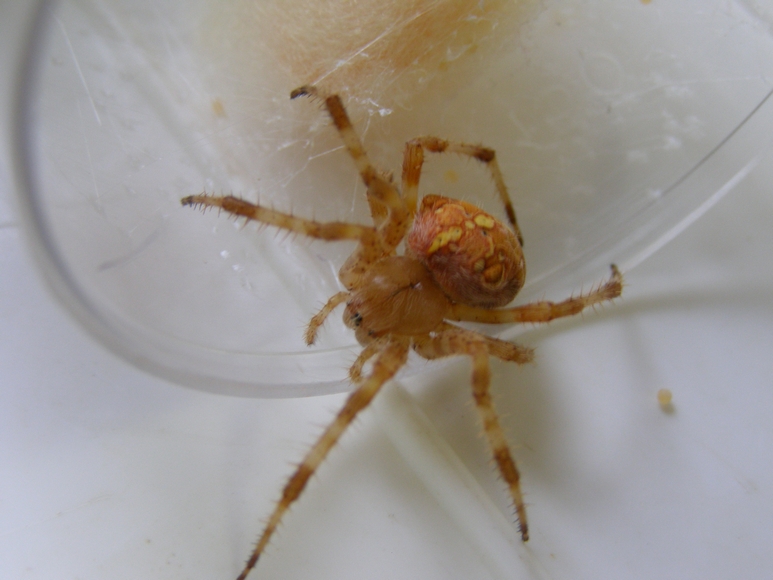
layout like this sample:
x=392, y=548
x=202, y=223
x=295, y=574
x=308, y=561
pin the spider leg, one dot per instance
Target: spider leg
x=355, y=371
x=544, y=311
x=389, y=361
x=369, y=250
x=386, y=206
x=319, y=318
x=340, y=117
x=502, y=349
x=413, y=160
x=324, y=231
x=453, y=341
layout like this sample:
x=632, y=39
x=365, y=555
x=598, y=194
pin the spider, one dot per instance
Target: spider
x=459, y=264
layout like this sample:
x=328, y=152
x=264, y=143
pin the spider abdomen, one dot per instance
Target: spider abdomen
x=473, y=257
x=396, y=295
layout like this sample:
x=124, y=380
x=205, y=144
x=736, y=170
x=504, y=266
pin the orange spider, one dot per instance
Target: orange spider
x=460, y=264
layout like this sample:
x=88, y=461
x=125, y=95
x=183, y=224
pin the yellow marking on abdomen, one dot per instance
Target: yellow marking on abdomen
x=484, y=221
x=444, y=238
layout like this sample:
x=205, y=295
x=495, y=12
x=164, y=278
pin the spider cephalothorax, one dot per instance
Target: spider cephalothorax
x=460, y=264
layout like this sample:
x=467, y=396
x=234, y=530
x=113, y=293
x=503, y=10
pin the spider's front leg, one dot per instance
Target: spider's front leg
x=371, y=245
x=330, y=231
x=338, y=114
x=383, y=198
x=451, y=341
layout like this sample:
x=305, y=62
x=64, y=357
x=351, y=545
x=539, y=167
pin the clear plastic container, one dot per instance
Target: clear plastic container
x=616, y=125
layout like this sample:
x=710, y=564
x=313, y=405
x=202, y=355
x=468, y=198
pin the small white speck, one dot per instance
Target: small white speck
x=654, y=193
x=224, y=254
x=637, y=156
x=672, y=142
x=678, y=92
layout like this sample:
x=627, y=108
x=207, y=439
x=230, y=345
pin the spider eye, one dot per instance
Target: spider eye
x=356, y=319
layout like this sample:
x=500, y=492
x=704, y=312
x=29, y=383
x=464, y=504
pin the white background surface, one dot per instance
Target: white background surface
x=106, y=472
